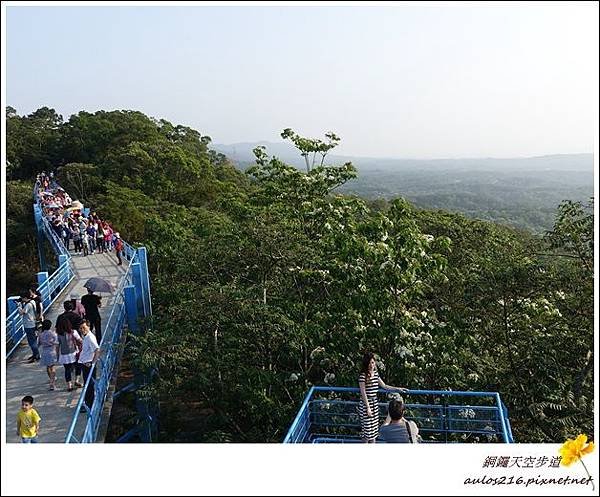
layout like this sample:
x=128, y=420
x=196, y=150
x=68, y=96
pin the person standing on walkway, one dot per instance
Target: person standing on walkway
x=74, y=318
x=85, y=242
x=69, y=343
x=118, y=248
x=76, y=235
x=66, y=234
x=88, y=357
x=77, y=306
x=28, y=421
x=48, y=344
x=91, y=231
x=108, y=236
x=37, y=298
x=92, y=303
x=27, y=309
x=368, y=407
x=100, y=237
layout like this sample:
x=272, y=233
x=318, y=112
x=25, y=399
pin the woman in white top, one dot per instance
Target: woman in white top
x=69, y=343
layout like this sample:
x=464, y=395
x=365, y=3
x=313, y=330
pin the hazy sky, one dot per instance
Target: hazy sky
x=403, y=81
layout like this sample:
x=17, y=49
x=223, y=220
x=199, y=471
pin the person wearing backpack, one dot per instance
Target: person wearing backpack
x=396, y=429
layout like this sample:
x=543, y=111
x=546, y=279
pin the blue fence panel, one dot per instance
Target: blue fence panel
x=50, y=289
x=330, y=414
x=84, y=426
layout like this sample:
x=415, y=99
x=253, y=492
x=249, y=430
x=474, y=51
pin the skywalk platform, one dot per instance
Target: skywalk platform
x=330, y=415
x=56, y=408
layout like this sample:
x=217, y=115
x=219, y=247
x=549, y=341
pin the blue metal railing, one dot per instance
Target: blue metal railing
x=84, y=427
x=86, y=430
x=330, y=415
x=131, y=300
x=49, y=288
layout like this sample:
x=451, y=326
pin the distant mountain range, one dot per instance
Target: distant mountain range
x=523, y=192
x=241, y=154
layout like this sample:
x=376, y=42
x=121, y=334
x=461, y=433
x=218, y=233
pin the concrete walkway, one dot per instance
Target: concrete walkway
x=56, y=408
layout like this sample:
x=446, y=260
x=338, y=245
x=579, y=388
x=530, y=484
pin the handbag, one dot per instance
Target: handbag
x=78, y=345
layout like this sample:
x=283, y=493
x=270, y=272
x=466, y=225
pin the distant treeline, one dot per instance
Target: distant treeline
x=523, y=193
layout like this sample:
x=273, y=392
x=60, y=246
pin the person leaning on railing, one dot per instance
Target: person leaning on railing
x=396, y=429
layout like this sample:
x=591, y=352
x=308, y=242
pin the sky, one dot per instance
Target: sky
x=409, y=81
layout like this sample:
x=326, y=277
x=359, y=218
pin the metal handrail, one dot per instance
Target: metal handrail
x=301, y=425
x=112, y=331
x=60, y=278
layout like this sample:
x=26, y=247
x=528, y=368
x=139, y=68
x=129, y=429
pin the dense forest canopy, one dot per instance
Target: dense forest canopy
x=269, y=281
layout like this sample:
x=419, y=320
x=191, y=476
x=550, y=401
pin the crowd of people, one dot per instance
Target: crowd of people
x=88, y=233
x=73, y=341
x=77, y=352
x=69, y=343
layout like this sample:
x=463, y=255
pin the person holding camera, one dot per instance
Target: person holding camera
x=27, y=309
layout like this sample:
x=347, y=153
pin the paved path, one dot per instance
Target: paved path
x=55, y=408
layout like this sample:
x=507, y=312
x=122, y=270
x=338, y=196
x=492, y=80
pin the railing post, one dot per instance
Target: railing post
x=139, y=288
x=42, y=277
x=39, y=224
x=12, y=303
x=63, y=259
x=131, y=308
x=143, y=258
x=446, y=424
x=145, y=427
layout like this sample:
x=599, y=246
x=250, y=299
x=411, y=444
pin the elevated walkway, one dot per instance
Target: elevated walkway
x=56, y=407
x=122, y=312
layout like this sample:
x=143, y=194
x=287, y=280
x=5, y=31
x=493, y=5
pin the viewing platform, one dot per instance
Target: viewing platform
x=330, y=415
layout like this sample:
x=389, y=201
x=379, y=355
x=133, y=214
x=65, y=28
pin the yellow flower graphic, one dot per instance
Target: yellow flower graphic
x=573, y=450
